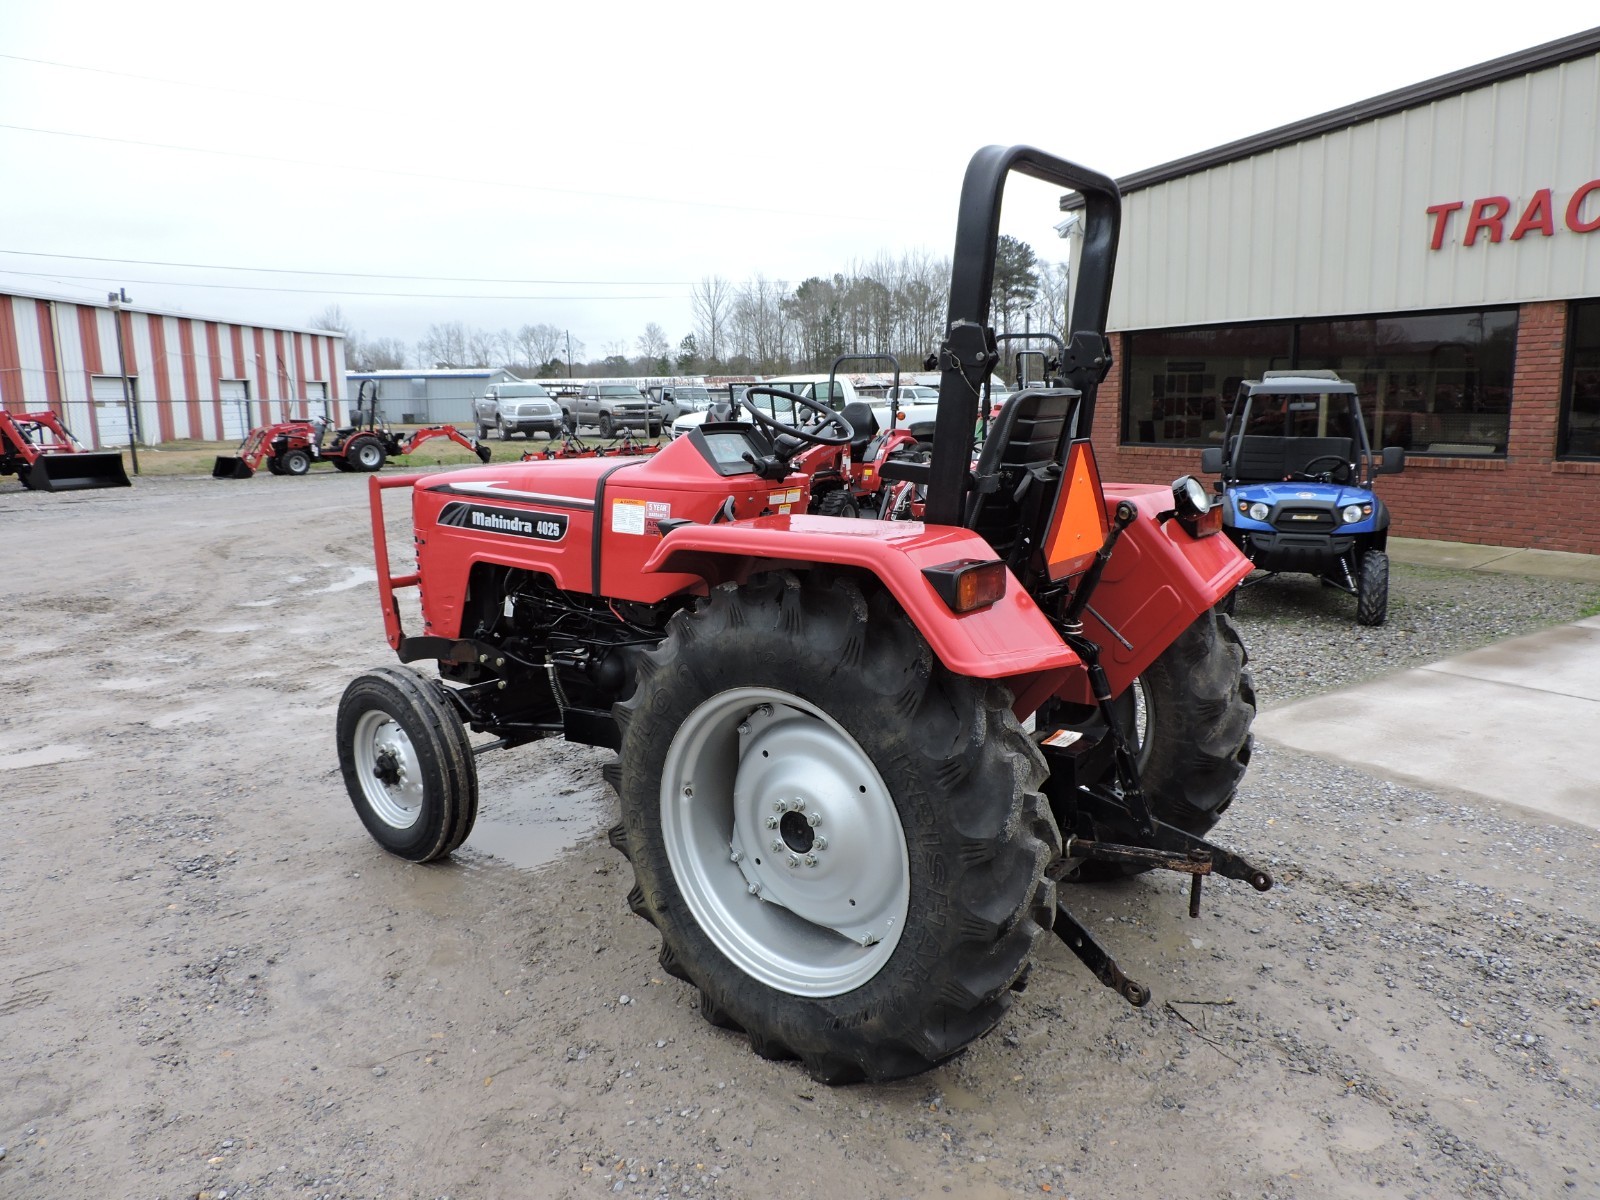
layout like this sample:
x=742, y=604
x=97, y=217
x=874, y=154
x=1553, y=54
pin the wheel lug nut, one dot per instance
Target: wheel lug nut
x=736, y=855
x=771, y=822
x=814, y=819
x=811, y=860
x=754, y=889
x=780, y=806
x=744, y=728
x=777, y=845
x=799, y=805
x=793, y=862
x=820, y=843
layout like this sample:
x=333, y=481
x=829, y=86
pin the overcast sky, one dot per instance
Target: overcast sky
x=604, y=157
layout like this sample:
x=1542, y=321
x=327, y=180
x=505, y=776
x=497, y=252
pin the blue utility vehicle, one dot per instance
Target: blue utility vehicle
x=1297, y=476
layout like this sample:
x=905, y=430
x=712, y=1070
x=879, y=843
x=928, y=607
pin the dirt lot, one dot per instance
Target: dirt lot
x=214, y=984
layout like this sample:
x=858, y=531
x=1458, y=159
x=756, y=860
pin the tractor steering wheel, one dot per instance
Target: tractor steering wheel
x=1338, y=472
x=815, y=436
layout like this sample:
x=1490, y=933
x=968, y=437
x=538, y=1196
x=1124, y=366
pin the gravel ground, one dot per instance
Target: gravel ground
x=1303, y=639
x=213, y=984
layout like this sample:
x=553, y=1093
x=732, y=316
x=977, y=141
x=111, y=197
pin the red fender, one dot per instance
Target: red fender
x=1009, y=640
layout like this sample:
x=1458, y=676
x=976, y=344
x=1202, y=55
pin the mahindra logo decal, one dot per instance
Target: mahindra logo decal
x=540, y=526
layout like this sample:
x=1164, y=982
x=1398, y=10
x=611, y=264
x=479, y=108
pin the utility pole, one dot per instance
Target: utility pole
x=569, y=353
x=117, y=299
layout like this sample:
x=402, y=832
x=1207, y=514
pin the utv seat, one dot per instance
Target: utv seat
x=1258, y=459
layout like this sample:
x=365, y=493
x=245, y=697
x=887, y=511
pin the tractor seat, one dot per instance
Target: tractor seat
x=1024, y=442
x=859, y=414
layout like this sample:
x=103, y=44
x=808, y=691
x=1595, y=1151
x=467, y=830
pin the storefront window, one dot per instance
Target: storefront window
x=1434, y=383
x=1580, y=410
x=1181, y=381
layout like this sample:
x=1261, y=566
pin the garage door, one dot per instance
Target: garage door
x=235, y=409
x=110, y=410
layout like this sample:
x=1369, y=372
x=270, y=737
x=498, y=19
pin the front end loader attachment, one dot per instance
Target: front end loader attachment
x=231, y=466
x=73, y=472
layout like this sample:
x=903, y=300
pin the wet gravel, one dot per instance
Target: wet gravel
x=1303, y=638
x=216, y=986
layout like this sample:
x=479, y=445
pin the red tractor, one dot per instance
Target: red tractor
x=290, y=447
x=40, y=451
x=855, y=758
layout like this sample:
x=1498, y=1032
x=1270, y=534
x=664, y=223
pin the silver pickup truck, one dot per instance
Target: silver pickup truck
x=610, y=407
x=524, y=408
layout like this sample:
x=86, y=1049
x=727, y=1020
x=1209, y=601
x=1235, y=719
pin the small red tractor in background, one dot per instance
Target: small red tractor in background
x=855, y=758
x=39, y=450
x=290, y=447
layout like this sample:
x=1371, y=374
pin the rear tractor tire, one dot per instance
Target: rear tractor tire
x=1188, y=716
x=407, y=764
x=842, y=844
x=1372, y=588
x=366, y=455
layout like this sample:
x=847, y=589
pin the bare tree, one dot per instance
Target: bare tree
x=538, y=344
x=481, y=348
x=381, y=354
x=712, y=299
x=445, y=345
x=654, y=357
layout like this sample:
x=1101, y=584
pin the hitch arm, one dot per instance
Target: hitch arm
x=1097, y=958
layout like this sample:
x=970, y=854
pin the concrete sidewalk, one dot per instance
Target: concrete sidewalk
x=1517, y=722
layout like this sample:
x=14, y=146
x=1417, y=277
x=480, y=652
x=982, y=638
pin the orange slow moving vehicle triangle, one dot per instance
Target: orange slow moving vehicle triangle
x=1078, y=526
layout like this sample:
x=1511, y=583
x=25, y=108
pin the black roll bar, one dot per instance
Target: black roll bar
x=968, y=354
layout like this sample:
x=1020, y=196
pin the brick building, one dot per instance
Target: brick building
x=1439, y=246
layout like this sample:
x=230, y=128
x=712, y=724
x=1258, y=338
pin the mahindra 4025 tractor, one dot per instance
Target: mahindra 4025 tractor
x=854, y=757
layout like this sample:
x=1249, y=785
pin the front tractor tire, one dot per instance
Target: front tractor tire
x=1372, y=589
x=294, y=462
x=407, y=764
x=842, y=845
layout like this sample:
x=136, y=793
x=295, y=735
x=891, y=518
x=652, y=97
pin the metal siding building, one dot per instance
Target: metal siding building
x=442, y=396
x=1438, y=245
x=190, y=377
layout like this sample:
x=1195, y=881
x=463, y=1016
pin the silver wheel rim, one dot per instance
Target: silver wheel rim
x=752, y=769
x=1143, y=719
x=368, y=455
x=387, y=766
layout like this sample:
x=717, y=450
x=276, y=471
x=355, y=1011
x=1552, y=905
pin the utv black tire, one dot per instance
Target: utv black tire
x=407, y=764
x=928, y=786
x=838, y=503
x=1372, y=589
x=366, y=454
x=294, y=462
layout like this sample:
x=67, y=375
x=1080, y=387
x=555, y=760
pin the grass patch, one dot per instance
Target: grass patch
x=193, y=457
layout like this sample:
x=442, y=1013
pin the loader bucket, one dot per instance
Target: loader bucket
x=230, y=466
x=71, y=472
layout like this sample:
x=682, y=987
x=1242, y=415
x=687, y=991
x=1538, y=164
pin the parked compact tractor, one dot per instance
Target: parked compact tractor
x=40, y=451
x=1297, y=477
x=855, y=758
x=290, y=447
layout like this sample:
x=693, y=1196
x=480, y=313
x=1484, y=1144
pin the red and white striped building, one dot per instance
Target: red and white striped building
x=189, y=377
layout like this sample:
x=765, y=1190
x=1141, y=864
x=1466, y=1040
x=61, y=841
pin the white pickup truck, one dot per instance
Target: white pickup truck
x=914, y=407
